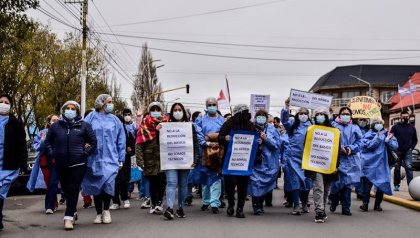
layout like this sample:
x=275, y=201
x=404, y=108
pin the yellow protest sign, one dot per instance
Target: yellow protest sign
x=321, y=149
x=365, y=107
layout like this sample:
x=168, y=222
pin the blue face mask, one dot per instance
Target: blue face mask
x=212, y=110
x=362, y=124
x=320, y=119
x=155, y=114
x=345, y=118
x=261, y=120
x=70, y=114
x=109, y=108
x=379, y=127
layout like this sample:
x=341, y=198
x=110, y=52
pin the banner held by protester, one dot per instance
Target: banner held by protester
x=321, y=149
x=309, y=100
x=365, y=107
x=241, y=153
x=176, y=145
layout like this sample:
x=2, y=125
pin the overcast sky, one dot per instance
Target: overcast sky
x=352, y=26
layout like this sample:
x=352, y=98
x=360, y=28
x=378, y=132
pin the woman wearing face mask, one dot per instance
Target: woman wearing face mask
x=298, y=184
x=108, y=158
x=266, y=166
x=13, y=152
x=69, y=142
x=239, y=121
x=321, y=182
x=148, y=154
x=178, y=177
x=363, y=124
x=349, y=168
x=43, y=174
x=375, y=164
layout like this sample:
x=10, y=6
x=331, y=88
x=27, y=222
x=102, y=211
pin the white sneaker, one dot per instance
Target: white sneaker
x=145, y=204
x=49, y=211
x=126, y=204
x=106, y=217
x=159, y=209
x=152, y=210
x=98, y=219
x=114, y=207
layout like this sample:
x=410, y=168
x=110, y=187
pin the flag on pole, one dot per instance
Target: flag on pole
x=414, y=87
x=404, y=91
x=223, y=99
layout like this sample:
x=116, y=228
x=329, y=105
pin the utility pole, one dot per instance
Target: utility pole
x=84, y=60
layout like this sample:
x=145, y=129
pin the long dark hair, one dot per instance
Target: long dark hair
x=184, y=117
x=241, y=121
x=195, y=115
x=296, y=124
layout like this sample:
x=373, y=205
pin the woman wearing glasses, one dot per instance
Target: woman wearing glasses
x=349, y=168
x=296, y=130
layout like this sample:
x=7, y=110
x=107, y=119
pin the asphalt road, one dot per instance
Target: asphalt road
x=25, y=218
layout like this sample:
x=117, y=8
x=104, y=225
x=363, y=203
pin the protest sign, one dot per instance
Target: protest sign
x=176, y=145
x=241, y=153
x=365, y=107
x=259, y=102
x=309, y=100
x=321, y=149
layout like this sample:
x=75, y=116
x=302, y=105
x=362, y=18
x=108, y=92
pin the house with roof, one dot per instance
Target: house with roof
x=410, y=101
x=379, y=81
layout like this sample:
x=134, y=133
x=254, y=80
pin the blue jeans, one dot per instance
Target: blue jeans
x=367, y=186
x=176, y=177
x=211, y=194
x=52, y=189
x=344, y=195
x=144, y=187
x=404, y=161
x=300, y=195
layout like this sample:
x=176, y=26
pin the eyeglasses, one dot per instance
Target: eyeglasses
x=211, y=105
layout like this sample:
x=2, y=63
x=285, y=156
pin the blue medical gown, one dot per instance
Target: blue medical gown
x=102, y=165
x=375, y=159
x=36, y=178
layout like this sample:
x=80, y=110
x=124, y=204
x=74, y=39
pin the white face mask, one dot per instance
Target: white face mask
x=178, y=115
x=303, y=118
x=127, y=118
x=4, y=108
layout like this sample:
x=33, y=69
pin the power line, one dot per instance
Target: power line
x=69, y=11
x=50, y=15
x=273, y=59
x=198, y=14
x=64, y=18
x=254, y=46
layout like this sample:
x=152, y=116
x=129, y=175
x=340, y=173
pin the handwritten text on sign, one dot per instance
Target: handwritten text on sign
x=309, y=100
x=176, y=146
x=241, y=152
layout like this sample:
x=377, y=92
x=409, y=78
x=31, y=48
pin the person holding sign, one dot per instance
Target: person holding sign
x=349, y=168
x=240, y=121
x=321, y=182
x=207, y=127
x=148, y=154
x=266, y=165
x=296, y=129
x=178, y=177
x=375, y=165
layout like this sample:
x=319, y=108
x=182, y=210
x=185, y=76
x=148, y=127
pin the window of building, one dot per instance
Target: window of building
x=350, y=94
x=386, y=95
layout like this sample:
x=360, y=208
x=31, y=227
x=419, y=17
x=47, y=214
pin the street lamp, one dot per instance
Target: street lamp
x=167, y=103
x=363, y=81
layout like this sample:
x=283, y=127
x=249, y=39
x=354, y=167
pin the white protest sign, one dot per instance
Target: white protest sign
x=309, y=100
x=176, y=145
x=259, y=102
x=241, y=152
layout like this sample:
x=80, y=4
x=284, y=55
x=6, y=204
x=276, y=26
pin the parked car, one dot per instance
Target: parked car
x=415, y=164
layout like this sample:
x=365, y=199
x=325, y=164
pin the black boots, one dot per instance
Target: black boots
x=364, y=207
x=240, y=213
x=377, y=207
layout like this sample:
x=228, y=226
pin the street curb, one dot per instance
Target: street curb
x=401, y=201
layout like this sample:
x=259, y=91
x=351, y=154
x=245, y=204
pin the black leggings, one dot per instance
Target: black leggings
x=157, y=188
x=70, y=180
x=1, y=209
x=241, y=183
x=102, y=199
x=121, y=189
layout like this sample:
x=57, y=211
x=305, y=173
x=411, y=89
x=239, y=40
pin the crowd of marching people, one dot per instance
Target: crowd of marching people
x=97, y=155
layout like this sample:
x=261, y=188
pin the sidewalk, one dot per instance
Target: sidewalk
x=402, y=197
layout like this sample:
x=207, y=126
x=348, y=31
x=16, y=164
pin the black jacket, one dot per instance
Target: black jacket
x=66, y=141
x=15, y=151
x=124, y=174
x=406, y=135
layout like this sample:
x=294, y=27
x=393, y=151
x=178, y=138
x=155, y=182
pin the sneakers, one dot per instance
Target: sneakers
x=98, y=219
x=188, y=201
x=75, y=218
x=346, y=213
x=230, y=211
x=126, y=204
x=240, y=213
x=180, y=213
x=159, y=209
x=87, y=205
x=145, y=204
x=364, y=207
x=215, y=210
x=257, y=210
x=297, y=211
x=49, y=211
x=305, y=208
x=169, y=213
x=377, y=208
x=204, y=207
x=319, y=217
x=106, y=217
x=68, y=225
x=62, y=201
x=324, y=215
x=114, y=207
x=152, y=210
x=396, y=188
